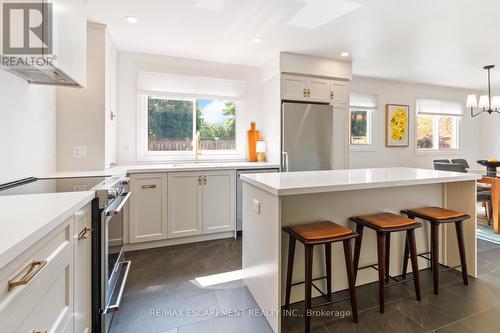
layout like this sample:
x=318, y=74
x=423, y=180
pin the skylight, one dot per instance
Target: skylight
x=316, y=13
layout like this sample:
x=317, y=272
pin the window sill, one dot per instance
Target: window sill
x=362, y=148
x=451, y=152
x=167, y=158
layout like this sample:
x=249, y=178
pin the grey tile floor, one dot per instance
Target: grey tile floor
x=162, y=296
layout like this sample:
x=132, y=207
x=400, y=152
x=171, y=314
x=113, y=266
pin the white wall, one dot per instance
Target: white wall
x=392, y=92
x=80, y=111
x=490, y=135
x=27, y=128
x=130, y=63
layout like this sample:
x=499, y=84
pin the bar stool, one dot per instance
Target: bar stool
x=436, y=216
x=319, y=233
x=385, y=224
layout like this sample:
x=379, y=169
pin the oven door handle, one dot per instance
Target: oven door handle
x=116, y=211
x=115, y=307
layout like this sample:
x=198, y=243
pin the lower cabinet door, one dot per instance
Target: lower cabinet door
x=49, y=308
x=184, y=204
x=148, y=218
x=218, y=201
x=82, y=275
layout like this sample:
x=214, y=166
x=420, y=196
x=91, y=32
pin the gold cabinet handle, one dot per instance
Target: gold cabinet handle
x=39, y=331
x=199, y=180
x=331, y=94
x=148, y=186
x=204, y=180
x=305, y=92
x=85, y=233
x=308, y=92
x=27, y=274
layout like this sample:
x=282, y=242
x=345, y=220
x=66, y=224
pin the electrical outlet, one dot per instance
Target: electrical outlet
x=80, y=152
x=256, y=206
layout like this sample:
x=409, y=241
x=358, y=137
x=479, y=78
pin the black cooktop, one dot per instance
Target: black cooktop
x=34, y=185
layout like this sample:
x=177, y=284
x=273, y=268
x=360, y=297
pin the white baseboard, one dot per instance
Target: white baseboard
x=177, y=241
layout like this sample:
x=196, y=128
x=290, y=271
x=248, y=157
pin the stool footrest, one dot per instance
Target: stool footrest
x=396, y=281
x=330, y=302
x=302, y=282
x=422, y=255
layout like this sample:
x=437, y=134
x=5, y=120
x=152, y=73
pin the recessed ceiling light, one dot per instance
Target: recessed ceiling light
x=131, y=19
x=257, y=40
x=344, y=54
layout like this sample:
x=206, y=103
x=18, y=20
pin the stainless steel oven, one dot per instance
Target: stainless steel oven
x=110, y=268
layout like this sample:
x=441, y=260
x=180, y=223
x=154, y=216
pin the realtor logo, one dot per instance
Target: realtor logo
x=27, y=28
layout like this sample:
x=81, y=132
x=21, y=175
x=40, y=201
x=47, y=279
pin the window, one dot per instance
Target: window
x=438, y=125
x=174, y=109
x=362, y=113
x=173, y=124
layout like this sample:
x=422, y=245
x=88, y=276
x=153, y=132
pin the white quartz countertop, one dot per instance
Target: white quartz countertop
x=292, y=183
x=25, y=219
x=167, y=167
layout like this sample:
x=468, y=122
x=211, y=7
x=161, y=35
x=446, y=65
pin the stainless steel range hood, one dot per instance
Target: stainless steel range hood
x=46, y=75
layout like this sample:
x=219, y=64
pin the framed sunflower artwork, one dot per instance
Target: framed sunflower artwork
x=397, y=125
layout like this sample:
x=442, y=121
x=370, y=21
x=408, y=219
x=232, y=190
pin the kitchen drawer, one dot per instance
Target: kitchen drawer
x=48, y=251
x=49, y=305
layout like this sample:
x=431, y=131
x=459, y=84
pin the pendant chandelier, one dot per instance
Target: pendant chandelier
x=487, y=103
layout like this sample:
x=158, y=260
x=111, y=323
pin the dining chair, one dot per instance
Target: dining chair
x=461, y=161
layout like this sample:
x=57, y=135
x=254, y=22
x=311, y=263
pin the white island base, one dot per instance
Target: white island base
x=271, y=201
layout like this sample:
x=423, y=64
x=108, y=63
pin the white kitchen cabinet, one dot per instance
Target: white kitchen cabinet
x=185, y=204
x=44, y=301
x=83, y=274
x=311, y=89
x=69, y=26
x=218, y=201
x=148, y=207
x=339, y=93
x=293, y=88
x=318, y=90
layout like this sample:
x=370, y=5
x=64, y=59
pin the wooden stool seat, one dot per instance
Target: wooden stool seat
x=319, y=232
x=385, y=224
x=387, y=221
x=436, y=216
x=312, y=234
x=437, y=213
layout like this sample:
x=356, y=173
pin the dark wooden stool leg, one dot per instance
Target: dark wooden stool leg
x=461, y=249
x=381, y=266
x=410, y=236
x=350, y=278
x=406, y=254
x=289, y=271
x=405, y=258
x=328, y=259
x=357, y=249
x=387, y=256
x=435, y=256
x=308, y=285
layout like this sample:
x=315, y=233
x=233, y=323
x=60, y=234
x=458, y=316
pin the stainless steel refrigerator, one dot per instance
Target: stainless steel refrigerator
x=306, y=137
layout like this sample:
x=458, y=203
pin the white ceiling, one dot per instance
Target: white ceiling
x=443, y=42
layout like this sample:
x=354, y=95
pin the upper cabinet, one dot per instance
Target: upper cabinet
x=54, y=54
x=70, y=38
x=311, y=89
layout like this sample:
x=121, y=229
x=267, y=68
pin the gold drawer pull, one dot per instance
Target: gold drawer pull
x=149, y=186
x=85, y=233
x=27, y=274
x=39, y=331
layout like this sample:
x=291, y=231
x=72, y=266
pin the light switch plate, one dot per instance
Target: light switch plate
x=80, y=152
x=256, y=206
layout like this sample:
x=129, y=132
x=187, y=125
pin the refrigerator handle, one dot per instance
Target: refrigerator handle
x=285, y=161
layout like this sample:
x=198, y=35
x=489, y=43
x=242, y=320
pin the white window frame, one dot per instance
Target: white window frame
x=143, y=152
x=371, y=129
x=435, y=131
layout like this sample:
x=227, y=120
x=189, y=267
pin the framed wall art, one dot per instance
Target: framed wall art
x=397, y=125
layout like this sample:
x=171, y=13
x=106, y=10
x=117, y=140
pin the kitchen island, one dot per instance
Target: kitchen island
x=274, y=200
